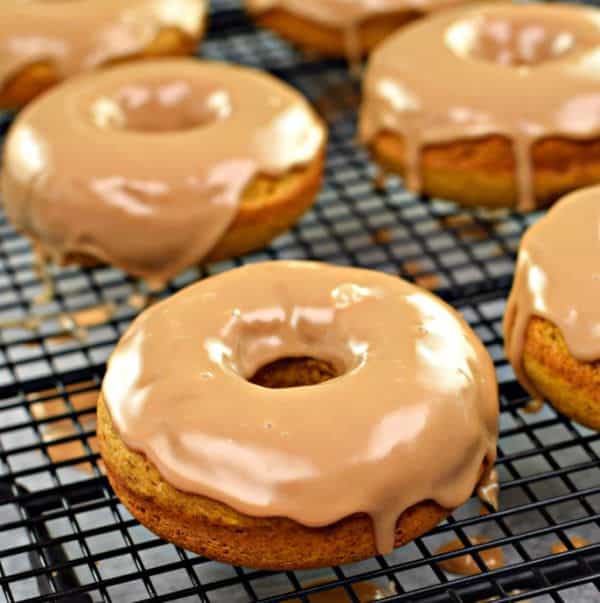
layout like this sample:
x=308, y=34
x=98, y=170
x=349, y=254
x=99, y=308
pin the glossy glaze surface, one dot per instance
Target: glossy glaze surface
x=411, y=416
x=489, y=488
x=79, y=35
x=558, y=278
x=522, y=71
x=144, y=166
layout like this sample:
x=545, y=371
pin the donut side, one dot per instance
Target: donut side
x=481, y=172
x=38, y=77
x=331, y=41
x=218, y=532
x=572, y=386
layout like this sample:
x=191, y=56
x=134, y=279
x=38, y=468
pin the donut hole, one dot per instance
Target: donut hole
x=161, y=107
x=294, y=372
x=514, y=41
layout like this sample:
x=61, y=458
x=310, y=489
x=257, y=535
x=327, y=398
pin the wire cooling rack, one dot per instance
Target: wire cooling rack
x=64, y=536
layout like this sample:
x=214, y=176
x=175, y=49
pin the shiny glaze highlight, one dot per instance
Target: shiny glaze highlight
x=411, y=417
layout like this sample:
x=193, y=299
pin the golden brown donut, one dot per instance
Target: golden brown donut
x=493, y=105
x=158, y=166
x=552, y=322
x=217, y=531
x=90, y=24
x=250, y=476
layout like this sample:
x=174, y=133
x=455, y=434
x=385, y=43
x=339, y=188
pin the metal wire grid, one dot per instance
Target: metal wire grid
x=64, y=535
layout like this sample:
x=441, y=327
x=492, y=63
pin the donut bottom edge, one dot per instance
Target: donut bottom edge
x=214, y=530
x=37, y=77
x=571, y=386
x=481, y=171
x=270, y=206
x=330, y=41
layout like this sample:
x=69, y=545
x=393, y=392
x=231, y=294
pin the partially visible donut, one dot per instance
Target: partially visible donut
x=42, y=42
x=158, y=166
x=209, y=444
x=552, y=324
x=495, y=105
x=336, y=28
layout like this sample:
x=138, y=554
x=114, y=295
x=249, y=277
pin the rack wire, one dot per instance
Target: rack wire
x=64, y=536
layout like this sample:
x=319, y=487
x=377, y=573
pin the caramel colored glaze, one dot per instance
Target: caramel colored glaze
x=577, y=542
x=383, y=236
x=344, y=16
x=41, y=269
x=144, y=166
x=489, y=488
x=66, y=37
x=525, y=72
x=417, y=272
x=46, y=405
x=367, y=592
x=558, y=279
x=262, y=451
x=81, y=320
x=380, y=180
x=533, y=406
x=138, y=301
x=73, y=324
x=465, y=565
x=466, y=227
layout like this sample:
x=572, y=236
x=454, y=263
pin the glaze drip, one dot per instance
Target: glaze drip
x=408, y=367
x=526, y=72
x=489, y=488
x=558, y=278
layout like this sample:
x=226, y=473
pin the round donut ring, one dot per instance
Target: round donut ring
x=43, y=42
x=155, y=167
x=255, y=474
x=496, y=105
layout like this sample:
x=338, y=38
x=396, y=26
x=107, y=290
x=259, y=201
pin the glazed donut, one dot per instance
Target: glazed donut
x=204, y=452
x=45, y=41
x=496, y=105
x=552, y=323
x=158, y=166
x=339, y=27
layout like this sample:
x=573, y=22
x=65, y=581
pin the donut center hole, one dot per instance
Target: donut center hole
x=294, y=372
x=512, y=41
x=161, y=107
